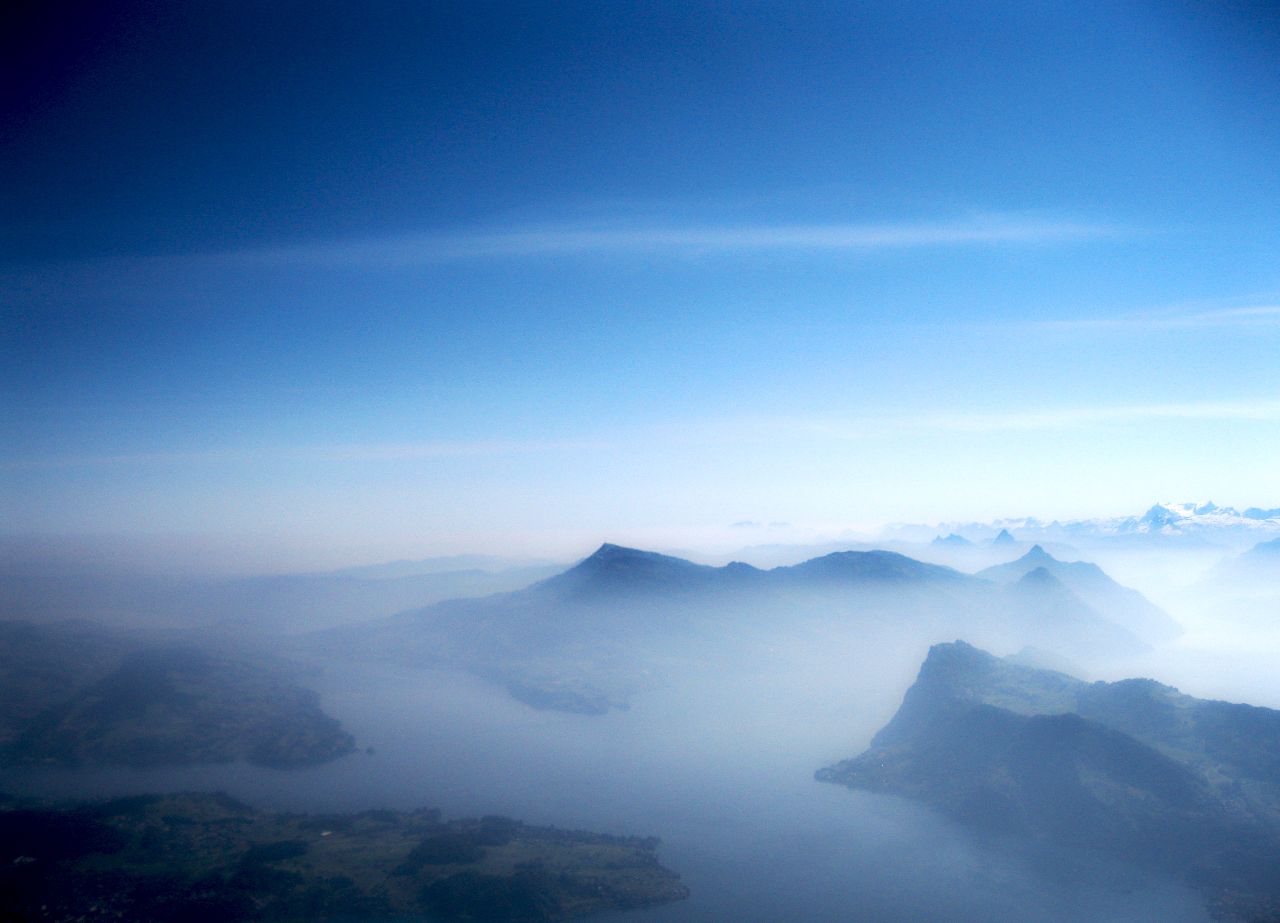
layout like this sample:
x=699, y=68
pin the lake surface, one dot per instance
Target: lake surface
x=720, y=768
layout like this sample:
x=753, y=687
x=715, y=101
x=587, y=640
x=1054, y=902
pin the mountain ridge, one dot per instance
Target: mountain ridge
x=1096, y=589
x=1134, y=768
x=587, y=639
x=1187, y=523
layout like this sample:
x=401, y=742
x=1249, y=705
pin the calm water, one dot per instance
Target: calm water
x=721, y=770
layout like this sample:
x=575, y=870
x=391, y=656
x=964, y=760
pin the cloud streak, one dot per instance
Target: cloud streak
x=1264, y=410
x=340, y=453
x=723, y=431
x=1253, y=316
x=695, y=240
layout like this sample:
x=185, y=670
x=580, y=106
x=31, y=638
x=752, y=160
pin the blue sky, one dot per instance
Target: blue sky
x=336, y=282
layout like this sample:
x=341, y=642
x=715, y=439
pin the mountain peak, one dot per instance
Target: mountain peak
x=1037, y=553
x=611, y=552
x=617, y=558
x=613, y=568
x=1004, y=538
x=883, y=566
x=1041, y=578
x=956, y=652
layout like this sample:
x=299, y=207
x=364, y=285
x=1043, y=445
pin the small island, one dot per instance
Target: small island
x=207, y=857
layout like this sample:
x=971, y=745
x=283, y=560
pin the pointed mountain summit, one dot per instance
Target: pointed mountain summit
x=1041, y=578
x=1126, y=607
x=1038, y=557
x=1063, y=616
x=613, y=570
x=619, y=562
x=1004, y=538
x=1160, y=516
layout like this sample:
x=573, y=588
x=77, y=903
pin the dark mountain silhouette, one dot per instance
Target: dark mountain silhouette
x=593, y=635
x=869, y=567
x=613, y=569
x=1004, y=538
x=1124, y=606
x=1133, y=767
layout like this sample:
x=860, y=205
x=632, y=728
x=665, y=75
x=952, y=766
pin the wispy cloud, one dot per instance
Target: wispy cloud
x=1183, y=318
x=1266, y=409
x=708, y=432
x=565, y=240
x=1072, y=417
x=350, y=452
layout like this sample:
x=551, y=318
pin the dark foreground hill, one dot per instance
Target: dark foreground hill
x=76, y=695
x=588, y=638
x=1133, y=768
x=198, y=858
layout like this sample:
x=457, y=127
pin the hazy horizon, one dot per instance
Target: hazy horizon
x=336, y=338
x=425, y=280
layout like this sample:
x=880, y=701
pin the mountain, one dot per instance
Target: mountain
x=1163, y=524
x=1259, y=563
x=613, y=569
x=1005, y=537
x=1245, y=588
x=586, y=640
x=74, y=695
x=1124, y=606
x=1133, y=768
x=953, y=541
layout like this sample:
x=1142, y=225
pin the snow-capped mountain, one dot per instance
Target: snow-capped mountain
x=1183, y=523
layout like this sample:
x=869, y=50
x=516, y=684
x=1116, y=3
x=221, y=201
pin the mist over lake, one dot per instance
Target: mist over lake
x=526, y=462
x=718, y=761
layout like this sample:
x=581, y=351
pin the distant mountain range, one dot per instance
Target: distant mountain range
x=1245, y=588
x=1260, y=564
x=1163, y=523
x=588, y=638
x=1134, y=768
x=1088, y=581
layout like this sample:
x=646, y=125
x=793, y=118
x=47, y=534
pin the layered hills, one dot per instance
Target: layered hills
x=586, y=639
x=1091, y=584
x=1165, y=525
x=1134, y=768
